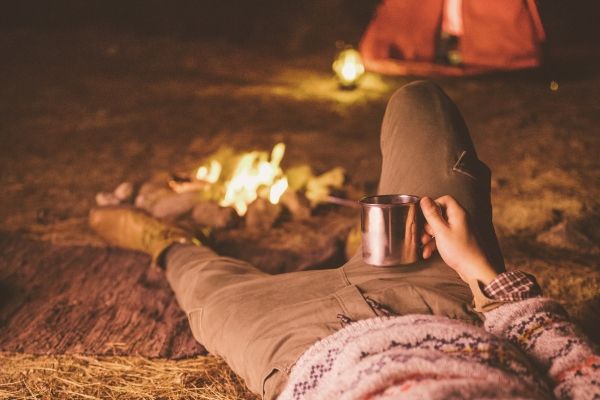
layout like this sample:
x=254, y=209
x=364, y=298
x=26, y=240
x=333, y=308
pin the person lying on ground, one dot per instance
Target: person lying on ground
x=362, y=332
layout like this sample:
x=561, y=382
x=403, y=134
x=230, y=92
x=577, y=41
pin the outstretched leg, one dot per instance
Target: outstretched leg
x=258, y=323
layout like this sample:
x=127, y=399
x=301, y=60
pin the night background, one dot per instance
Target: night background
x=95, y=93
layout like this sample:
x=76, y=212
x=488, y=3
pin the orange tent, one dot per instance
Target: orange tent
x=403, y=36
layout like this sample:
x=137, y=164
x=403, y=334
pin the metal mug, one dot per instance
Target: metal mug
x=391, y=229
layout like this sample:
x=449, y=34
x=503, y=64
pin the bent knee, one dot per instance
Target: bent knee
x=417, y=92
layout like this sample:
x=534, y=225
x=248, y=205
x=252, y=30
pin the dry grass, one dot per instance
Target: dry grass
x=25, y=376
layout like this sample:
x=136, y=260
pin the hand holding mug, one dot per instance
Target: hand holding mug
x=454, y=239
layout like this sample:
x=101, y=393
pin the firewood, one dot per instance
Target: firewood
x=297, y=204
x=209, y=213
x=262, y=214
x=175, y=205
x=149, y=194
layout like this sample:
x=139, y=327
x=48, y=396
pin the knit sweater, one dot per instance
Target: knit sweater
x=526, y=349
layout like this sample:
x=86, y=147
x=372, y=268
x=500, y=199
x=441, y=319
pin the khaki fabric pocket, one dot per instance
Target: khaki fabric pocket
x=398, y=297
x=353, y=303
x=447, y=304
x=403, y=298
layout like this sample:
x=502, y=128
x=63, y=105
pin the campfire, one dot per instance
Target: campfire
x=231, y=188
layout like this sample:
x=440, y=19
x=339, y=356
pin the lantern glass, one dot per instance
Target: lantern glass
x=348, y=67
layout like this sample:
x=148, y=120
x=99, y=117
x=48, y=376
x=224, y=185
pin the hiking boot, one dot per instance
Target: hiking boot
x=135, y=229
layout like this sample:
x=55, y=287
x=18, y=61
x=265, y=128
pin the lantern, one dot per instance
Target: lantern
x=348, y=68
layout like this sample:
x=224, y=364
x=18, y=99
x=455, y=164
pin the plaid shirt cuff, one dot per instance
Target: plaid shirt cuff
x=512, y=286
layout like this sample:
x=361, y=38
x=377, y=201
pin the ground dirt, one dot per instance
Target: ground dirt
x=80, y=114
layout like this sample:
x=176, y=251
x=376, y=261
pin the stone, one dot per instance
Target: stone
x=106, y=199
x=124, y=192
x=211, y=214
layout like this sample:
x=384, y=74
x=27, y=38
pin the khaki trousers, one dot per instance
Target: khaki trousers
x=260, y=323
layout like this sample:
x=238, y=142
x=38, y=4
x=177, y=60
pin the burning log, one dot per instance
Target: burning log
x=341, y=201
x=210, y=214
x=262, y=214
x=297, y=204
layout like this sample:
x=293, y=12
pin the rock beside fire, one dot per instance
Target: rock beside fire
x=262, y=214
x=122, y=194
x=210, y=214
x=106, y=199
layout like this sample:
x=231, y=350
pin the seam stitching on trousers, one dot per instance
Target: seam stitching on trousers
x=194, y=310
x=341, y=304
x=456, y=167
x=344, y=276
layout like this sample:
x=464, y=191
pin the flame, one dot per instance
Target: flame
x=277, y=190
x=210, y=174
x=252, y=173
x=348, y=67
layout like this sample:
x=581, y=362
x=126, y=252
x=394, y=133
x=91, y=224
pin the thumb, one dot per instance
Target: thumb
x=433, y=215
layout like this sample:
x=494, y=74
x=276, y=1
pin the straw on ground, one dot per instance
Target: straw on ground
x=24, y=376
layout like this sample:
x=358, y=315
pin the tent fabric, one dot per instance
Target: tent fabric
x=401, y=38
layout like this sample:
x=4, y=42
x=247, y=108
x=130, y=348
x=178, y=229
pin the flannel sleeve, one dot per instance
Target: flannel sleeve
x=507, y=287
x=512, y=286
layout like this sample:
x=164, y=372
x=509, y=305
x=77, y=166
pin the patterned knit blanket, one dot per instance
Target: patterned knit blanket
x=527, y=350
